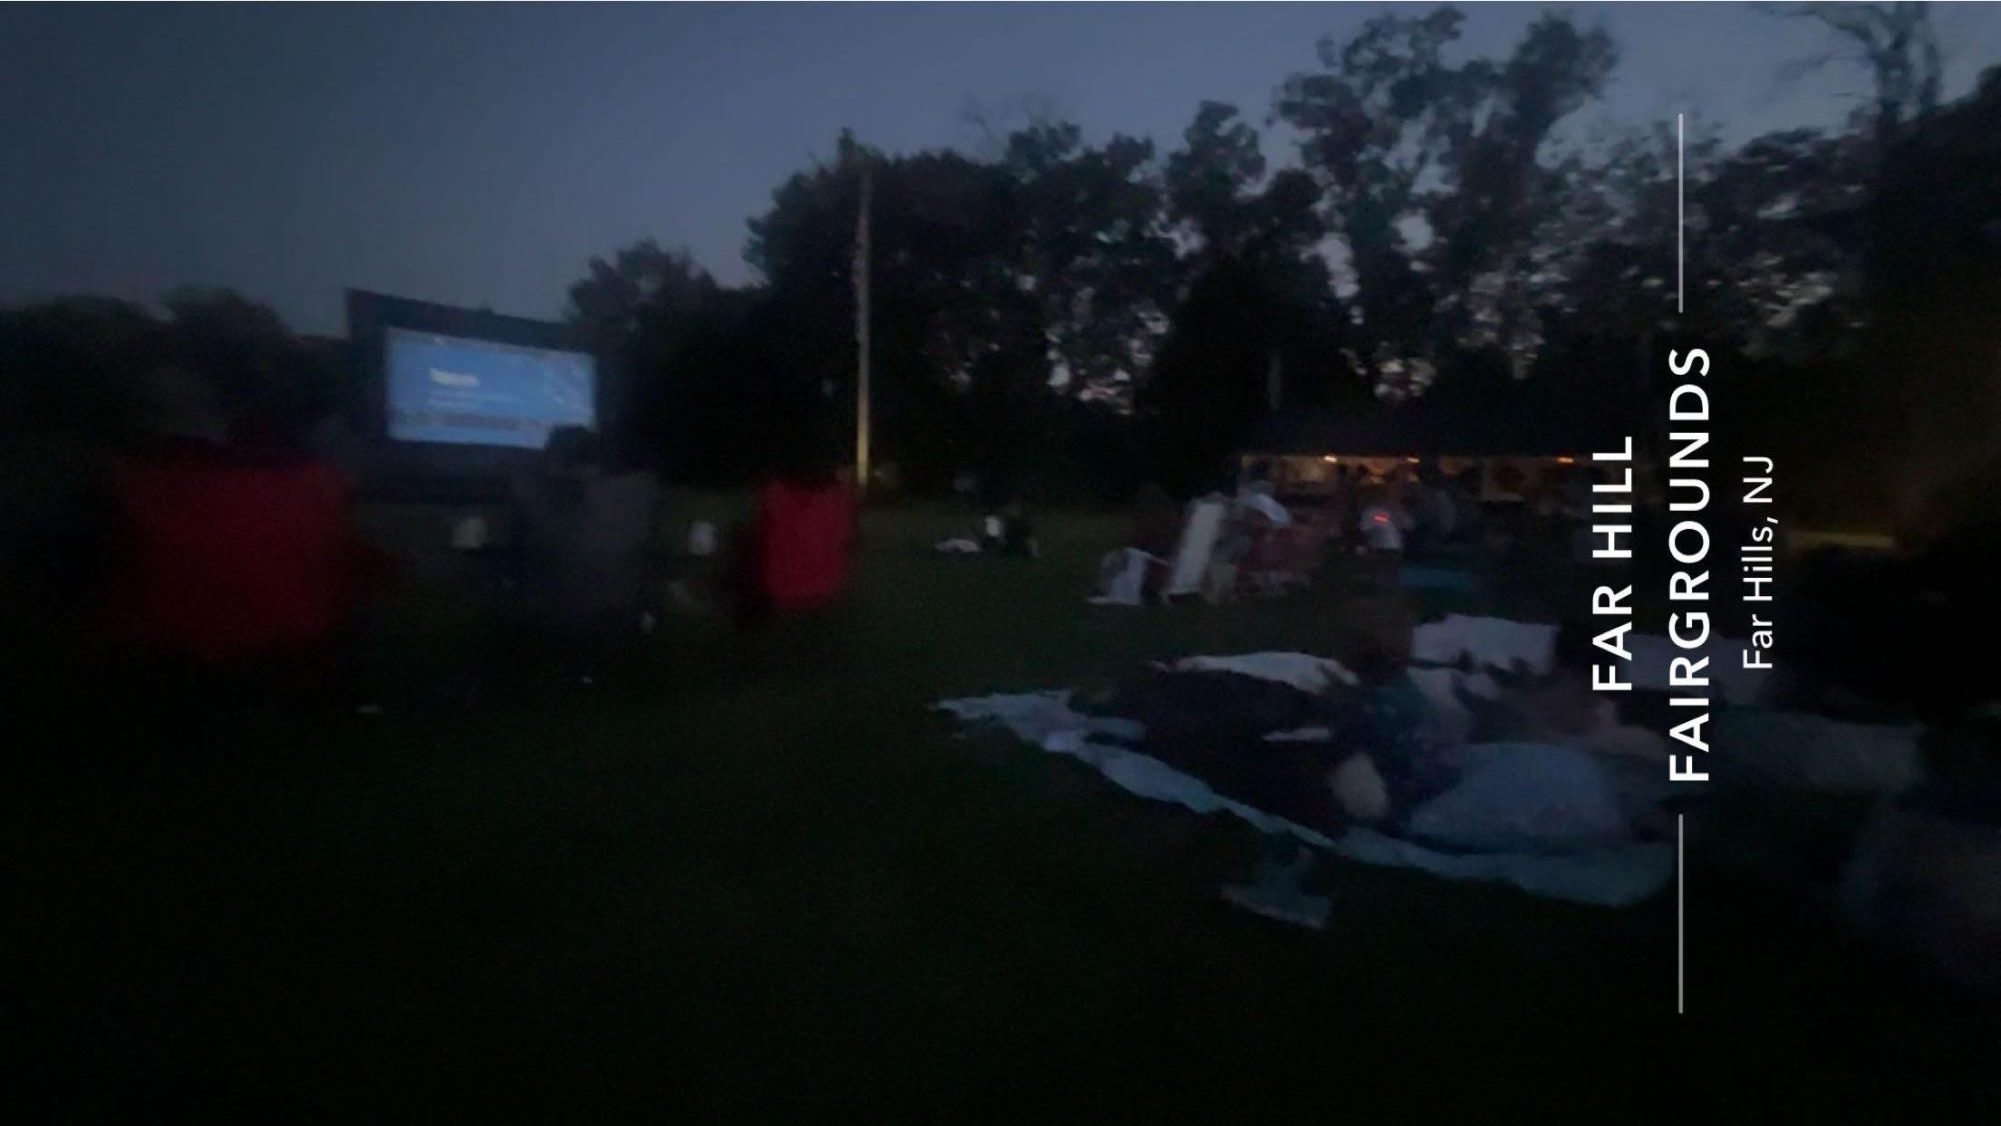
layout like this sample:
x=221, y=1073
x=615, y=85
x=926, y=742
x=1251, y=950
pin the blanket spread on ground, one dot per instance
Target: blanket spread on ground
x=1046, y=720
x=1606, y=873
x=1303, y=671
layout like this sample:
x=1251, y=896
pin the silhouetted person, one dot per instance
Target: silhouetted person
x=1382, y=522
x=585, y=552
x=1009, y=532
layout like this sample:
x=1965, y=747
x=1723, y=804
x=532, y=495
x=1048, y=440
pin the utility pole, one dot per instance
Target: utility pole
x=862, y=327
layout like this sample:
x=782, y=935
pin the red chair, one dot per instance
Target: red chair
x=804, y=542
x=233, y=558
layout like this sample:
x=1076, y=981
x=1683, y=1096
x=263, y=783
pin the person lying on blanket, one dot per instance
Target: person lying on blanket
x=1386, y=721
x=1561, y=707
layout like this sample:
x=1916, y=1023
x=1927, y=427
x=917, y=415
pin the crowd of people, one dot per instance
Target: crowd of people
x=1278, y=536
x=214, y=551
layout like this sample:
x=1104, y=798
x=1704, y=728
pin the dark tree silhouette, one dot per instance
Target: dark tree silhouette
x=1433, y=179
x=1257, y=328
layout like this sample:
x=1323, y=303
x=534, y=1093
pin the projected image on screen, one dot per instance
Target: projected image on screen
x=451, y=389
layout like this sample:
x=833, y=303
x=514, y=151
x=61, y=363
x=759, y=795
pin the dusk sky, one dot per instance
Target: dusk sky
x=480, y=155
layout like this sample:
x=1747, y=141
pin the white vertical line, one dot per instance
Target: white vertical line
x=1680, y=840
x=1680, y=218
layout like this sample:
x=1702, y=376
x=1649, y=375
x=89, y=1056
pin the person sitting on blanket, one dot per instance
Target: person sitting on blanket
x=1213, y=724
x=1386, y=720
x=1382, y=761
x=583, y=555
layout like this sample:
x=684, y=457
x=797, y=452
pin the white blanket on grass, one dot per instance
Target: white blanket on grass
x=1303, y=671
x=1046, y=720
x=1494, y=643
x=1615, y=875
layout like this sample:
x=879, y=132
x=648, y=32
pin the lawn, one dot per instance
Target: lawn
x=763, y=878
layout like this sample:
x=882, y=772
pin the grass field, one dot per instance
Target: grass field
x=761, y=879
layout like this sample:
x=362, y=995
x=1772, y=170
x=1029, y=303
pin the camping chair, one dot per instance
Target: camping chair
x=1122, y=577
x=1192, y=554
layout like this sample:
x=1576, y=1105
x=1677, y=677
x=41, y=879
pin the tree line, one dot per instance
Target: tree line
x=1065, y=316
x=1062, y=315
